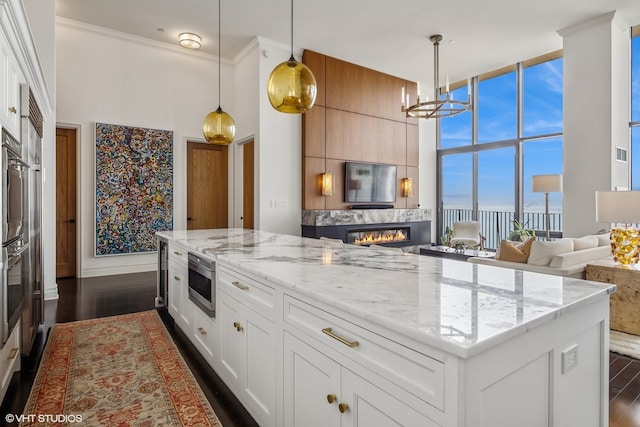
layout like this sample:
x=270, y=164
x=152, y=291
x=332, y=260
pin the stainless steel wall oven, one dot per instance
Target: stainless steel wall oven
x=12, y=189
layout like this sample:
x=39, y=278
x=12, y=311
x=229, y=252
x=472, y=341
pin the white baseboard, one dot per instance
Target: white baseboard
x=112, y=271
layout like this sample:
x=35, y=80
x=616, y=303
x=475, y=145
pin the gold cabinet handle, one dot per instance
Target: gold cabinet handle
x=331, y=398
x=177, y=278
x=240, y=286
x=202, y=331
x=238, y=326
x=14, y=352
x=346, y=342
x=177, y=253
x=343, y=407
x=14, y=111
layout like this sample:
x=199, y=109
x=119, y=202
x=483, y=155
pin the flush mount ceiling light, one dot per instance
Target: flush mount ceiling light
x=292, y=86
x=189, y=40
x=440, y=107
x=218, y=127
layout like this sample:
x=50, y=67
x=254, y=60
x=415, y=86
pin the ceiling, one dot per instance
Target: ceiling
x=392, y=37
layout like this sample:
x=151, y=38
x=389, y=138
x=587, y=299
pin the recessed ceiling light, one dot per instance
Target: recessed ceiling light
x=190, y=40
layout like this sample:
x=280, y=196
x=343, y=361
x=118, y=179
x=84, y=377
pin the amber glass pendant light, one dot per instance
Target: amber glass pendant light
x=292, y=86
x=218, y=127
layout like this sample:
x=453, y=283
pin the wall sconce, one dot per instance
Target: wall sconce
x=326, y=184
x=407, y=187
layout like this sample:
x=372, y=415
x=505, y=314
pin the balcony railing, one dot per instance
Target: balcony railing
x=497, y=225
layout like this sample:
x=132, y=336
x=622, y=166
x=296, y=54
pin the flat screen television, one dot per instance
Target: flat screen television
x=369, y=183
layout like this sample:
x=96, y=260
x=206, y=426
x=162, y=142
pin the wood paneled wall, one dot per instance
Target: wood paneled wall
x=356, y=117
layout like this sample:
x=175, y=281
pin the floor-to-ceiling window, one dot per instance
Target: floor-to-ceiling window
x=487, y=156
x=635, y=108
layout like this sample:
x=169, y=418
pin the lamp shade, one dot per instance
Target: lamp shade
x=618, y=207
x=546, y=183
x=292, y=87
x=219, y=128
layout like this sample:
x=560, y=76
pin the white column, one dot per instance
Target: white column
x=596, y=116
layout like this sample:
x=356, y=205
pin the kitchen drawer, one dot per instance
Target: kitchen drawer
x=178, y=253
x=9, y=359
x=250, y=291
x=415, y=372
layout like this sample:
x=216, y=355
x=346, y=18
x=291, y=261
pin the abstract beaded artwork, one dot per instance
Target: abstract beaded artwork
x=134, y=188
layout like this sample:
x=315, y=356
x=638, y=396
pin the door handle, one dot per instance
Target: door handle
x=189, y=218
x=70, y=221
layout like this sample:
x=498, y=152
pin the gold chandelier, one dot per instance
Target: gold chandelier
x=438, y=108
x=292, y=86
x=218, y=127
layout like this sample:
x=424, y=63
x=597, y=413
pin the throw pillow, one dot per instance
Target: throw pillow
x=542, y=252
x=586, y=242
x=514, y=253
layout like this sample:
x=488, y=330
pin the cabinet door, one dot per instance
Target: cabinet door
x=176, y=280
x=370, y=406
x=205, y=335
x=232, y=351
x=259, y=375
x=311, y=386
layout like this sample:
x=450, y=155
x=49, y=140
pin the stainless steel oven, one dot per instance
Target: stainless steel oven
x=13, y=188
x=202, y=283
x=15, y=258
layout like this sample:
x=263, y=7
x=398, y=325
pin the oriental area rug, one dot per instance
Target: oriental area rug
x=115, y=371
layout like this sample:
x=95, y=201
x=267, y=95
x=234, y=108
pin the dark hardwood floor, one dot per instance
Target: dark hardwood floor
x=81, y=299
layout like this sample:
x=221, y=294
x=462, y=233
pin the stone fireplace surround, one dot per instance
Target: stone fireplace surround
x=337, y=224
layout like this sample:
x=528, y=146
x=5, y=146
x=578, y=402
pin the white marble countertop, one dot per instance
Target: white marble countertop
x=455, y=306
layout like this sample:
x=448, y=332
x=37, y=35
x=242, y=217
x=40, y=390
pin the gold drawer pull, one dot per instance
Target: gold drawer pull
x=238, y=326
x=343, y=407
x=14, y=352
x=177, y=278
x=240, y=286
x=177, y=253
x=351, y=344
x=14, y=111
x=202, y=331
x=331, y=398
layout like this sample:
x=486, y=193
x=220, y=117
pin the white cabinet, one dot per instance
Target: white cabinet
x=180, y=306
x=10, y=78
x=9, y=359
x=318, y=391
x=247, y=345
x=206, y=335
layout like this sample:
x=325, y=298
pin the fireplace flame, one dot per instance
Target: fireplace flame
x=380, y=237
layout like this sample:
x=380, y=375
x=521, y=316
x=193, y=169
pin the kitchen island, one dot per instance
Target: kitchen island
x=310, y=332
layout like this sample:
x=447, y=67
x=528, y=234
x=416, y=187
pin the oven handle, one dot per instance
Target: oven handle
x=17, y=162
x=13, y=259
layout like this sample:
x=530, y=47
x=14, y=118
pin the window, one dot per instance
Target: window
x=635, y=109
x=485, y=174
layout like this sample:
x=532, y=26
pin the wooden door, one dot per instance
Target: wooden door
x=248, y=187
x=65, y=202
x=207, y=186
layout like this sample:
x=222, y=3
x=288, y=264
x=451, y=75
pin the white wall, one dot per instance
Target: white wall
x=109, y=77
x=279, y=152
x=596, y=112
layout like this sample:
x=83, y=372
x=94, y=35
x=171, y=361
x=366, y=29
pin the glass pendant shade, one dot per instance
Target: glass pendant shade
x=219, y=128
x=292, y=87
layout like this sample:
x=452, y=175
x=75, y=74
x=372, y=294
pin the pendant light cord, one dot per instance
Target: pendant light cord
x=292, y=28
x=219, y=49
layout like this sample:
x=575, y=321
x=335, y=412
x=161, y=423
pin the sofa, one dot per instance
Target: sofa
x=563, y=257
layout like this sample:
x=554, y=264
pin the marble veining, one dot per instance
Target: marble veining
x=459, y=307
x=363, y=216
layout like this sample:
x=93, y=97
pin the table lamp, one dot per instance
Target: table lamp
x=546, y=184
x=621, y=207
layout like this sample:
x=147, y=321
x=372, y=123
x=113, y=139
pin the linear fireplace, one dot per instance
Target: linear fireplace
x=378, y=236
x=390, y=227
